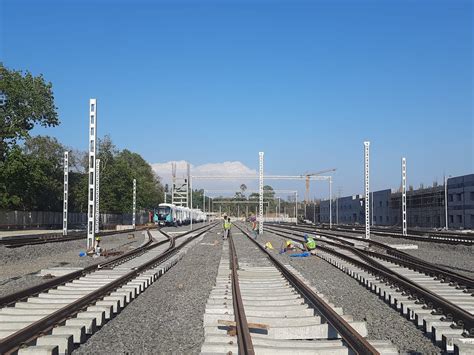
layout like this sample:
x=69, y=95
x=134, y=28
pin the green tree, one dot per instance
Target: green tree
x=29, y=101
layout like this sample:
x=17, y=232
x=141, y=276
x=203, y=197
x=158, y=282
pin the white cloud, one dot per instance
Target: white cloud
x=227, y=168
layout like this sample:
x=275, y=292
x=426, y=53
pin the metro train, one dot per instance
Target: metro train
x=171, y=215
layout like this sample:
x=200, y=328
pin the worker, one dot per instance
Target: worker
x=290, y=245
x=309, y=243
x=97, y=248
x=227, y=227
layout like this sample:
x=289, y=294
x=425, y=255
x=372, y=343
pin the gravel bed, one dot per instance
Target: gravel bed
x=18, y=265
x=168, y=317
x=459, y=258
x=383, y=322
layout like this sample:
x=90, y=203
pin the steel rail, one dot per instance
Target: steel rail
x=402, y=258
x=244, y=338
x=34, y=290
x=11, y=343
x=20, y=241
x=459, y=315
x=354, y=340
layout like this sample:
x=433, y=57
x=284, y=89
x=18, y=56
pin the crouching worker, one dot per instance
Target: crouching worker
x=309, y=243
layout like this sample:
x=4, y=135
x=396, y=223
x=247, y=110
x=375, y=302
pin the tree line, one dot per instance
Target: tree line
x=31, y=168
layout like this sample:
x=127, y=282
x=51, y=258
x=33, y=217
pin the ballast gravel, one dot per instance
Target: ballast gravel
x=383, y=322
x=168, y=317
x=458, y=258
x=18, y=266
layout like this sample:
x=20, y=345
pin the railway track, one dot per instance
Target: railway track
x=438, y=300
x=57, y=316
x=23, y=240
x=270, y=309
x=416, y=235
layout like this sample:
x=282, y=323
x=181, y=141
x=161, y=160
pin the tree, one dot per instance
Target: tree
x=32, y=177
x=29, y=101
x=243, y=188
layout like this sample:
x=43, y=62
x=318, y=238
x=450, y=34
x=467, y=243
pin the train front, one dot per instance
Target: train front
x=165, y=215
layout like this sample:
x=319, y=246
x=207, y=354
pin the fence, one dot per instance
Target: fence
x=54, y=220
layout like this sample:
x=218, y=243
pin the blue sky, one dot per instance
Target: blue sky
x=305, y=81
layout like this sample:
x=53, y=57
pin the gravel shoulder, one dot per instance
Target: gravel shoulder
x=168, y=317
x=383, y=322
x=18, y=266
x=459, y=258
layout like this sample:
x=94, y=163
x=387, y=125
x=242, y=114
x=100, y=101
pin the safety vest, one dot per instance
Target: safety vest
x=311, y=244
x=227, y=225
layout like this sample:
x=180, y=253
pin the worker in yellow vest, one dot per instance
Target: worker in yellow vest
x=309, y=243
x=227, y=227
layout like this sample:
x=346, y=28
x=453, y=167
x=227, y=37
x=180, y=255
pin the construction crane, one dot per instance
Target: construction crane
x=308, y=175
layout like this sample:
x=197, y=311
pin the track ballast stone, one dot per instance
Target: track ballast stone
x=18, y=266
x=382, y=321
x=168, y=316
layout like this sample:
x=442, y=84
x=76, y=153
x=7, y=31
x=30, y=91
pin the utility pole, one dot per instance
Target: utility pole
x=330, y=202
x=91, y=187
x=66, y=176
x=97, y=187
x=366, y=185
x=260, y=188
x=279, y=209
x=134, y=202
x=296, y=206
x=446, y=200
x=404, y=196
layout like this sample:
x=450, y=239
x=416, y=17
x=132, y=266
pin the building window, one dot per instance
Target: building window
x=472, y=218
x=387, y=219
x=92, y=163
x=380, y=204
x=91, y=195
x=92, y=107
x=92, y=131
x=92, y=119
x=459, y=218
x=92, y=145
x=451, y=219
x=472, y=195
x=450, y=197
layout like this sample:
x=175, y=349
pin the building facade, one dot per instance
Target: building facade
x=425, y=207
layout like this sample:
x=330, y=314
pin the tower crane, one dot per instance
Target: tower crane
x=308, y=175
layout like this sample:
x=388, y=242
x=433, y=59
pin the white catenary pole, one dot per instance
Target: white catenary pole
x=66, y=176
x=134, y=202
x=296, y=206
x=190, y=182
x=366, y=186
x=92, y=182
x=446, y=201
x=260, y=190
x=330, y=202
x=97, y=187
x=404, y=195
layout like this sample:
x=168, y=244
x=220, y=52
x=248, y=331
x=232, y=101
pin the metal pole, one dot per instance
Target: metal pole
x=279, y=209
x=296, y=206
x=204, y=201
x=337, y=210
x=330, y=202
x=404, y=196
x=446, y=201
x=190, y=181
x=314, y=213
x=97, y=187
x=366, y=185
x=134, y=202
x=238, y=211
x=260, y=226
x=66, y=176
x=91, y=187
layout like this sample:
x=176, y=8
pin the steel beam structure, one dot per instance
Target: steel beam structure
x=367, y=189
x=260, y=187
x=66, y=191
x=404, y=196
x=97, y=187
x=91, y=191
x=134, y=208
